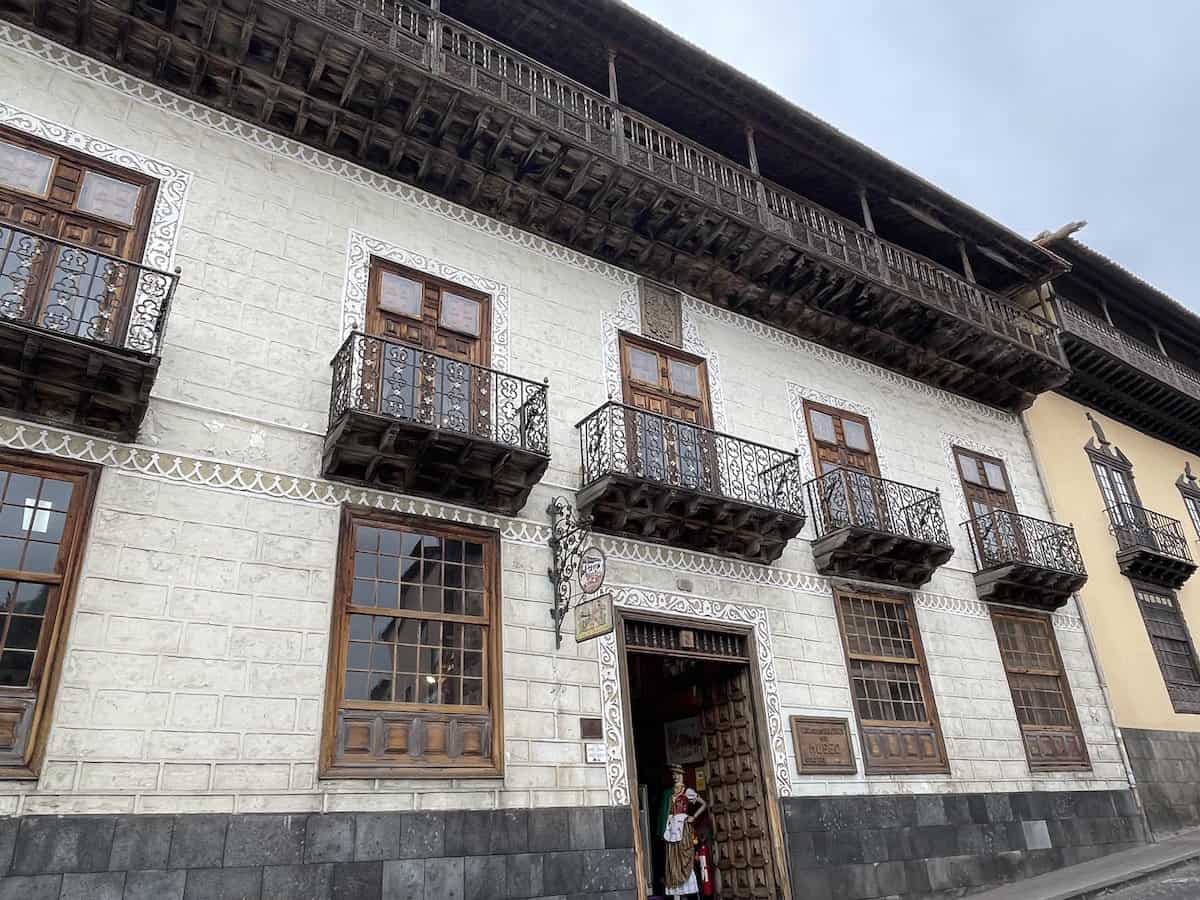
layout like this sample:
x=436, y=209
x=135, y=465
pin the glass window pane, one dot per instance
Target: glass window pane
x=15, y=666
x=995, y=476
x=23, y=633
x=363, y=593
x=379, y=686
x=108, y=197
x=356, y=686
x=643, y=365
x=39, y=557
x=685, y=378
x=969, y=469
x=856, y=435
x=473, y=604
x=822, y=426
x=358, y=656
x=25, y=169
x=472, y=692
x=360, y=628
x=452, y=692
x=406, y=688
x=399, y=295
x=366, y=539
x=460, y=314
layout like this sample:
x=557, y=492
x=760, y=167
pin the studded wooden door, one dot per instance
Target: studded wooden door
x=736, y=793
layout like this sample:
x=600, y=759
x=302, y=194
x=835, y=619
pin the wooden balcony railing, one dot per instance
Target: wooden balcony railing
x=1138, y=528
x=450, y=49
x=1150, y=360
x=417, y=387
x=620, y=440
x=78, y=292
x=1000, y=538
x=849, y=498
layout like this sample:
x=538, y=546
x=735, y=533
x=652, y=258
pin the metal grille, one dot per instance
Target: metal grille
x=676, y=638
x=885, y=669
x=1172, y=646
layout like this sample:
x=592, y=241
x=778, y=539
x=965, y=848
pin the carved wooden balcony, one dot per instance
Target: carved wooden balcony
x=80, y=334
x=877, y=530
x=420, y=97
x=1024, y=561
x=659, y=479
x=1150, y=546
x=409, y=420
x=1130, y=379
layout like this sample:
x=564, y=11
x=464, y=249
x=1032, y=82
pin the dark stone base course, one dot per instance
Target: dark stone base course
x=519, y=854
x=947, y=845
x=1167, y=767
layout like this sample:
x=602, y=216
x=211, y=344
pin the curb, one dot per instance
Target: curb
x=1131, y=878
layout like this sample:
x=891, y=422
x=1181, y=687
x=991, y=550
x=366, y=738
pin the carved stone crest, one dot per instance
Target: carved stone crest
x=662, y=313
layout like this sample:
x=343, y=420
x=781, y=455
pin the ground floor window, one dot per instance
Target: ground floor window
x=44, y=506
x=889, y=680
x=414, y=684
x=1172, y=643
x=1041, y=695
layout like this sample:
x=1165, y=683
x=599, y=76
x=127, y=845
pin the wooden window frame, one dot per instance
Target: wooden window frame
x=955, y=450
x=47, y=673
x=1181, y=707
x=625, y=340
x=811, y=406
x=330, y=766
x=867, y=727
x=1114, y=464
x=1191, y=503
x=1064, y=684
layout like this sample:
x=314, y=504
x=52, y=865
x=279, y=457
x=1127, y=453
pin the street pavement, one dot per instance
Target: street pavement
x=1179, y=884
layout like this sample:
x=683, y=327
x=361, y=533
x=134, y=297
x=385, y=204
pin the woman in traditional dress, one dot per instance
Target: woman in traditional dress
x=681, y=841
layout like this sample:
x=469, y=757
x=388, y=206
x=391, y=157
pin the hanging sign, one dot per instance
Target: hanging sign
x=594, y=617
x=592, y=567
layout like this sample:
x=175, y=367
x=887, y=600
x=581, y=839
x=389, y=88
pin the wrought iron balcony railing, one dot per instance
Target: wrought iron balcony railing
x=1138, y=528
x=79, y=292
x=389, y=378
x=448, y=48
x=620, y=440
x=1001, y=537
x=848, y=498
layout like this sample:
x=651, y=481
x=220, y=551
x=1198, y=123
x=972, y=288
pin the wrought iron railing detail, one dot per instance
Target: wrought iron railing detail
x=449, y=48
x=848, y=498
x=1136, y=527
x=1141, y=356
x=63, y=287
x=1001, y=537
x=621, y=440
x=397, y=380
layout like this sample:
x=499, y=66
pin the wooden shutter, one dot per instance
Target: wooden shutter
x=1173, y=647
x=840, y=439
x=1041, y=695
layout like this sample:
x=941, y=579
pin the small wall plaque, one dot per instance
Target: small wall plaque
x=595, y=754
x=594, y=617
x=823, y=746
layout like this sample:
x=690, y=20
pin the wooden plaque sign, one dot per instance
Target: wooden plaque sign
x=823, y=746
x=594, y=617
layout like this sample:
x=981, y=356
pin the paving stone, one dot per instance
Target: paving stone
x=223, y=884
x=329, y=838
x=618, y=828
x=48, y=845
x=93, y=886
x=313, y=882
x=405, y=879
x=486, y=878
x=155, y=885
x=198, y=841
x=273, y=840
x=510, y=831
x=141, y=842
x=587, y=829
x=524, y=876
x=549, y=829
x=8, y=842
x=560, y=871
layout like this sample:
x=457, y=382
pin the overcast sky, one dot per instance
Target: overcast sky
x=1037, y=112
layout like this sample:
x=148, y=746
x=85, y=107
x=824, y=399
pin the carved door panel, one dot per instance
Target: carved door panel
x=735, y=791
x=985, y=485
x=436, y=335
x=672, y=444
x=843, y=440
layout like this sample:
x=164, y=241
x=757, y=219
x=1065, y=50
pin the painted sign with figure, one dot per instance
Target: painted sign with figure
x=594, y=617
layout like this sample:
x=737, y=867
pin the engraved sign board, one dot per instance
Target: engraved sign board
x=594, y=617
x=823, y=746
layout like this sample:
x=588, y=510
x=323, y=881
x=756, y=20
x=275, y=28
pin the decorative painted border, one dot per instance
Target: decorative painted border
x=33, y=45
x=702, y=610
x=173, y=183
x=628, y=317
x=361, y=247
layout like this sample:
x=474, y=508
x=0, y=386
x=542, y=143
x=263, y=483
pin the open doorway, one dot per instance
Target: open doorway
x=692, y=705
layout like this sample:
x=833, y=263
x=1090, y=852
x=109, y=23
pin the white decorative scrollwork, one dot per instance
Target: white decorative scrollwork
x=361, y=247
x=702, y=609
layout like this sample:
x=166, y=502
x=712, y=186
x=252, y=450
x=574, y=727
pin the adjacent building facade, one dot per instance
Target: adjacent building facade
x=1117, y=444
x=330, y=328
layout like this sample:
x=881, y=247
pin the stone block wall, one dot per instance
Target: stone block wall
x=1166, y=765
x=933, y=845
x=491, y=855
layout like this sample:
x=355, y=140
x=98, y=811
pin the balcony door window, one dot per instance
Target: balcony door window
x=1173, y=647
x=846, y=466
x=991, y=506
x=1040, y=692
x=48, y=191
x=433, y=337
x=1116, y=486
x=668, y=436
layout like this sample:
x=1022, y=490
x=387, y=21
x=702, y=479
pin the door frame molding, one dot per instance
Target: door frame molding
x=689, y=612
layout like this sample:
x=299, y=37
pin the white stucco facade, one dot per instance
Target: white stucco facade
x=195, y=669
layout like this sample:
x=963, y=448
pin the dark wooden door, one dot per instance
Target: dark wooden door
x=672, y=443
x=437, y=334
x=738, y=802
x=842, y=440
x=995, y=526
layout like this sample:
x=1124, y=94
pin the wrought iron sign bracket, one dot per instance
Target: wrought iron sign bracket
x=568, y=532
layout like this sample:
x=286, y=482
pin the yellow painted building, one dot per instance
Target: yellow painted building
x=1117, y=446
